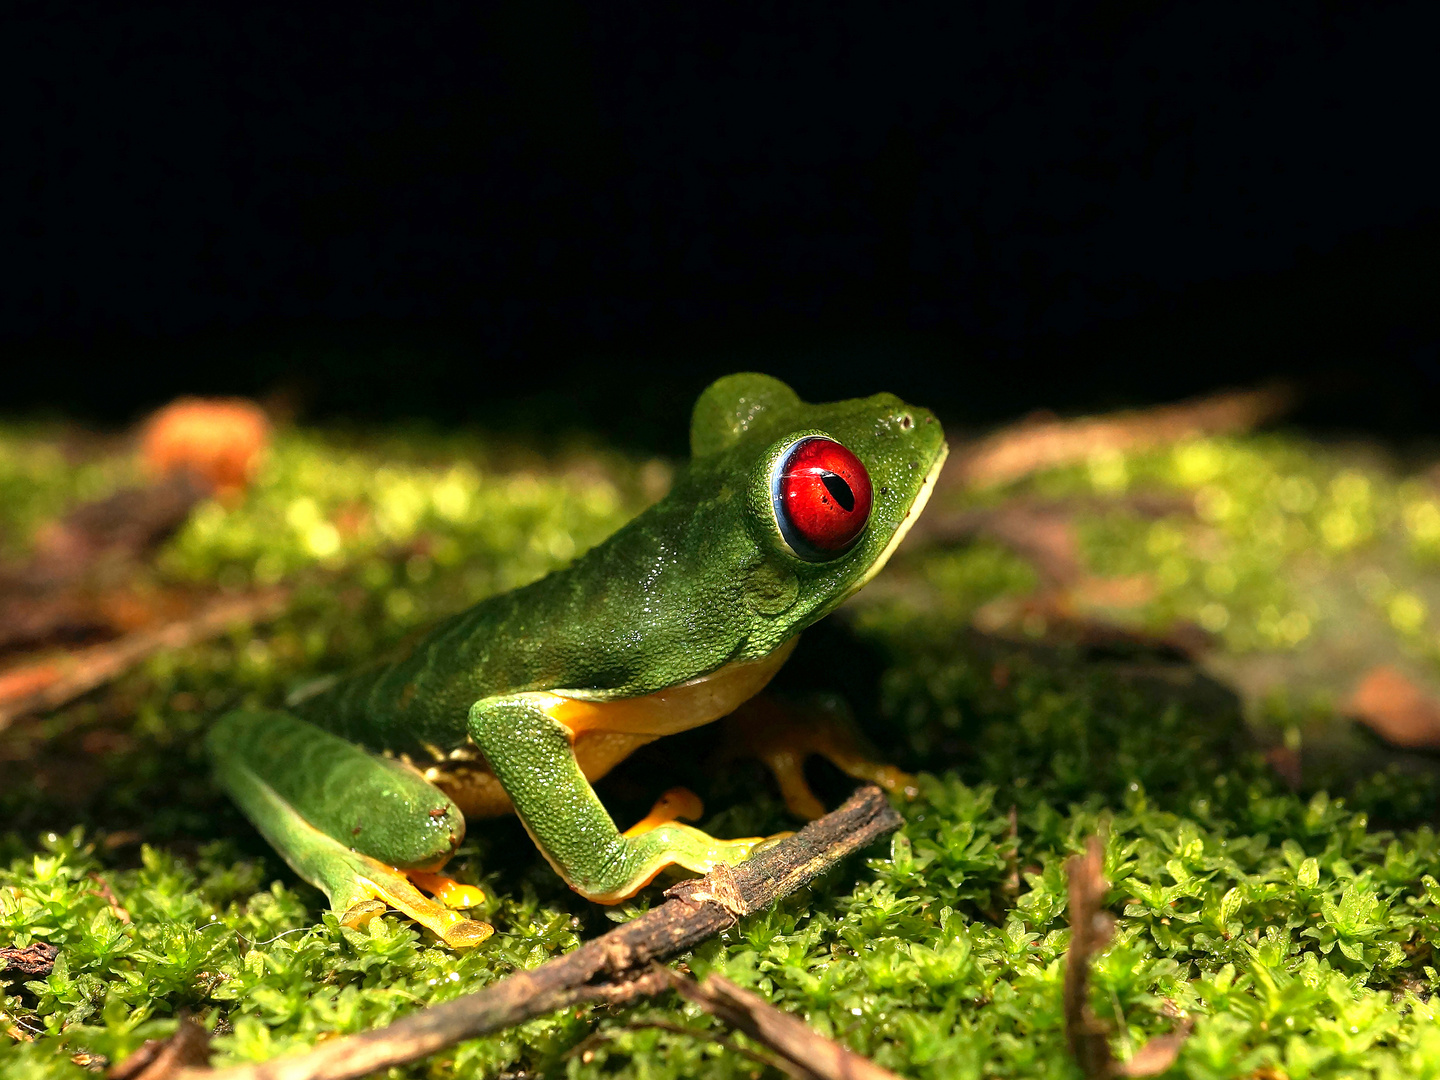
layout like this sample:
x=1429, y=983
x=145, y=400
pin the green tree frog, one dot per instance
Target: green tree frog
x=784, y=510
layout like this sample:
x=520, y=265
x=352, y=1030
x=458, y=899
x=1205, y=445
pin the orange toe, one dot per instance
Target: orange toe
x=676, y=804
x=447, y=890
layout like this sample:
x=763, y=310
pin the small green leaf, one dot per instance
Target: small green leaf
x=1308, y=875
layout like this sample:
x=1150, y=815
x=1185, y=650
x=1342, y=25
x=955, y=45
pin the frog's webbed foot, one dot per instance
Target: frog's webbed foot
x=372, y=887
x=783, y=736
x=677, y=804
x=451, y=893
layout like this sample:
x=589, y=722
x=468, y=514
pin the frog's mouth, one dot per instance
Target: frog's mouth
x=916, y=506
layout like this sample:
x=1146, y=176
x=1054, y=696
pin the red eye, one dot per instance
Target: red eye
x=821, y=494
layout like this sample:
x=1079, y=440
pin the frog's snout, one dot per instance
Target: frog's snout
x=918, y=428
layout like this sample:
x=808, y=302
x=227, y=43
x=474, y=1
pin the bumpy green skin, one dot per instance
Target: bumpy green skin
x=701, y=579
x=370, y=802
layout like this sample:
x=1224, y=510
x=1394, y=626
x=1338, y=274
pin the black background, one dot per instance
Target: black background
x=560, y=214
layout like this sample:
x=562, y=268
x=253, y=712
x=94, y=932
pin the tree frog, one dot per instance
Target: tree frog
x=519, y=703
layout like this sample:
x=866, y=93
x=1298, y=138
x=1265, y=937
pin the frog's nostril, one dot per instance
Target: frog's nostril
x=906, y=422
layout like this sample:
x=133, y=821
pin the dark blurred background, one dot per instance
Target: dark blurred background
x=553, y=213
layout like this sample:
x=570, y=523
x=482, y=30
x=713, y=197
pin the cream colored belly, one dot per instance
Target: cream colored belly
x=605, y=733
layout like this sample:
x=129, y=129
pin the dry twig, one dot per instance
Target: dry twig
x=1090, y=929
x=810, y=1054
x=107, y=894
x=586, y=1047
x=48, y=684
x=615, y=968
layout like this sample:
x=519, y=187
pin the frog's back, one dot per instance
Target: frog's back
x=420, y=698
x=610, y=623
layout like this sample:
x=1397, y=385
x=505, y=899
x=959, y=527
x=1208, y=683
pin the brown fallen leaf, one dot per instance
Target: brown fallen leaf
x=1398, y=710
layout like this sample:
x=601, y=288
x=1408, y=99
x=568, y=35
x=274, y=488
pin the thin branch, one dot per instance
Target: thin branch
x=615, y=968
x=803, y=1047
x=48, y=684
x=105, y=893
x=780, y=1065
x=1091, y=927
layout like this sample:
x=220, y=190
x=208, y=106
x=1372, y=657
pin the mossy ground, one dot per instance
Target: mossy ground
x=1295, y=930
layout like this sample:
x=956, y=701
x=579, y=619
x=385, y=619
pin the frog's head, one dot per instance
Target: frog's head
x=824, y=493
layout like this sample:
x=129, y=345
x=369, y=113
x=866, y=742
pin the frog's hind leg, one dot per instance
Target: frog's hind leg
x=352, y=824
x=782, y=736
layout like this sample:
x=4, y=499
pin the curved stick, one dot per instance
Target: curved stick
x=613, y=968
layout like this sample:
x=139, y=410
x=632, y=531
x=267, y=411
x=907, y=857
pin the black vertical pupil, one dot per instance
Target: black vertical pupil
x=839, y=490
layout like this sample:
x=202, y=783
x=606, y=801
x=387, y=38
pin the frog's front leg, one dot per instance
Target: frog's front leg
x=533, y=757
x=347, y=821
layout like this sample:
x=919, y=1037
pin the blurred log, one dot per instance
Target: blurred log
x=1021, y=449
x=68, y=587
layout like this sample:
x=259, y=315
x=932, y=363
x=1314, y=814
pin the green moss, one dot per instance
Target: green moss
x=1296, y=933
